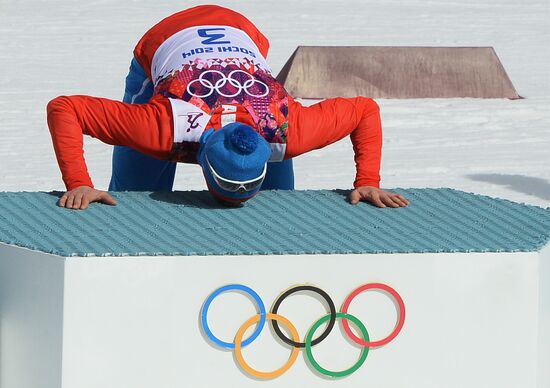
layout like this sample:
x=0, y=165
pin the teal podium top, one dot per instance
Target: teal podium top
x=273, y=223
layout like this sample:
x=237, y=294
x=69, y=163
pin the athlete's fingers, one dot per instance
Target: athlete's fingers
x=63, y=199
x=386, y=198
x=106, y=198
x=70, y=200
x=395, y=198
x=403, y=199
x=77, y=200
x=400, y=202
x=398, y=199
x=375, y=200
x=85, y=202
x=388, y=201
x=354, y=197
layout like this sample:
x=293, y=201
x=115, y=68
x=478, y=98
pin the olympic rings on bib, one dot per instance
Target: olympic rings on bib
x=309, y=341
x=224, y=80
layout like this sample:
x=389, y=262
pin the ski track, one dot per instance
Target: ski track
x=493, y=147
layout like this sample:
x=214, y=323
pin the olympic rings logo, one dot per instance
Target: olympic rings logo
x=221, y=83
x=309, y=341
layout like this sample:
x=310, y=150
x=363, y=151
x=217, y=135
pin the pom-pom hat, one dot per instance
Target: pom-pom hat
x=233, y=161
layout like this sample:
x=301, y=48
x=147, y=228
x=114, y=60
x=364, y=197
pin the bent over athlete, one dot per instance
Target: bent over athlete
x=217, y=104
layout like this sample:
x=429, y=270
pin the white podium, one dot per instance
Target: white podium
x=473, y=319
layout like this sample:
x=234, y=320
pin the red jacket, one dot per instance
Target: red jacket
x=155, y=128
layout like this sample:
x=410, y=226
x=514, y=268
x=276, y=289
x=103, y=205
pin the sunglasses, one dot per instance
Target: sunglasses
x=234, y=186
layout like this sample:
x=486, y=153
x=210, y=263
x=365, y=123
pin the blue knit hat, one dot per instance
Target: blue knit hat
x=236, y=153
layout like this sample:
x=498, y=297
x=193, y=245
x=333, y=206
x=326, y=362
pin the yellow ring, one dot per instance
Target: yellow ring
x=238, y=349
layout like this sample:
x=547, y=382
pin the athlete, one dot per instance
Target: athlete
x=135, y=171
x=215, y=103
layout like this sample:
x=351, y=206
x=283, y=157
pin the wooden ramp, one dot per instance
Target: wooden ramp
x=396, y=72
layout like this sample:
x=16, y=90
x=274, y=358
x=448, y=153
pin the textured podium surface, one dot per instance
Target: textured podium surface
x=275, y=222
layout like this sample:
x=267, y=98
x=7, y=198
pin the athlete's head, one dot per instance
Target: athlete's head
x=234, y=162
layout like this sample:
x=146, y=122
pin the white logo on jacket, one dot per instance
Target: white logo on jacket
x=189, y=121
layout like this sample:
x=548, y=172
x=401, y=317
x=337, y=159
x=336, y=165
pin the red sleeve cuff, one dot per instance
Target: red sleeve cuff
x=361, y=183
x=74, y=185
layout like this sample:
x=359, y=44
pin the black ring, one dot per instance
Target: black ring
x=323, y=335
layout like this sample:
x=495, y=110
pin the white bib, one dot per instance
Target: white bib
x=203, y=43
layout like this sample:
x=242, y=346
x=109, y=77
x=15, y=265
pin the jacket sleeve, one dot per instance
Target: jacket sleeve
x=328, y=121
x=147, y=128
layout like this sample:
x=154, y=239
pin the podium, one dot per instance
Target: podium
x=130, y=296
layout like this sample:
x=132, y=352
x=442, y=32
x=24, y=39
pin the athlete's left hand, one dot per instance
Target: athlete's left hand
x=377, y=197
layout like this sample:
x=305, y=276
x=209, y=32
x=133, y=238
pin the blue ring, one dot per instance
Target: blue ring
x=231, y=287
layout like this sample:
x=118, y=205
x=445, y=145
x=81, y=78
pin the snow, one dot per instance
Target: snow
x=494, y=147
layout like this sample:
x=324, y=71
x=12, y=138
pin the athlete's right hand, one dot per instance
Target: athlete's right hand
x=82, y=196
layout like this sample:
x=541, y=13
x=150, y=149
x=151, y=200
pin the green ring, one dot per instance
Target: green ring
x=364, y=351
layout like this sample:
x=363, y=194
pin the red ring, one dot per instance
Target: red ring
x=400, y=322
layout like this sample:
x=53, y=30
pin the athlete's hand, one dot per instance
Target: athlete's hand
x=82, y=196
x=377, y=197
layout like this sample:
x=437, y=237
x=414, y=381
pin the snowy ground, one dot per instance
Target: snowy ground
x=495, y=147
